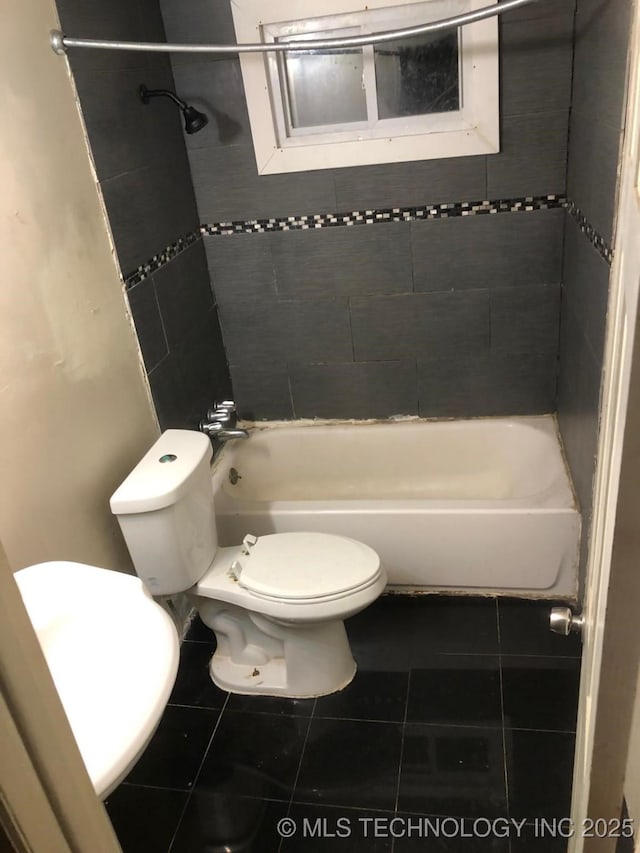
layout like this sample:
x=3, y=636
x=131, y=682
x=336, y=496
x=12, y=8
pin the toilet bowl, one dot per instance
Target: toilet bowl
x=276, y=603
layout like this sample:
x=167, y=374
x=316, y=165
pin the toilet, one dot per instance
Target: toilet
x=276, y=603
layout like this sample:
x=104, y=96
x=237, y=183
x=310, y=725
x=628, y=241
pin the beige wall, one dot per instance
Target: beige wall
x=75, y=413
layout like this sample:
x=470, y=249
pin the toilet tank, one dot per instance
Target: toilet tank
x=165, y=512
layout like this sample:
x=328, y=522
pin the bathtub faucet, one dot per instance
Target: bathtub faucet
x=220, y=422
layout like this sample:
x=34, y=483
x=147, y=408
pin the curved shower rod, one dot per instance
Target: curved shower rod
x=60, y=43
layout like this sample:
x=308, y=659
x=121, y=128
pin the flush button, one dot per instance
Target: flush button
x=168, y=457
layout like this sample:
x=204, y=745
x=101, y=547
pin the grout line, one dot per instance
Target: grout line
x=504, y=734
x=295, y=781
x=404, y=725
x=154, y=787
x=195, y=778
x=304, y=746
x=540, y=731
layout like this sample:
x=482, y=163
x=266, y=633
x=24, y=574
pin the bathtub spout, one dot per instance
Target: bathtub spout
x=218, y=430
x=228, y=434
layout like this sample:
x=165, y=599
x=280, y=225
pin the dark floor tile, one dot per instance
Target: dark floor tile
x=451, y=835
x=524, y=630
x=381, y=636
x=254, y=755
x=177, y=748
x=271, y=705
x=194, y=685
x=464, y=625
x=199, y=633
x=539, y=837
x=451, y=770
x=456, y=689
x=216, y=822
x=539, y=773
x=316, y=829
x=370, y=696
x=145, y=819
x=350, y=763
x=540, y=692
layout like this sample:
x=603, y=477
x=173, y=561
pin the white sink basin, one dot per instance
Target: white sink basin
x=113, y=654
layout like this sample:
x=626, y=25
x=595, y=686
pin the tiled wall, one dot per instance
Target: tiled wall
x=602, y=32
x=144, y=175
x=451, y=316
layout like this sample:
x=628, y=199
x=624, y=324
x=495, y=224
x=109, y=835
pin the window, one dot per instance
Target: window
x=428, y=96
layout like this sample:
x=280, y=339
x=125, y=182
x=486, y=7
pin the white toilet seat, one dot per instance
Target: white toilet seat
x=221, y=582
x=305, y=566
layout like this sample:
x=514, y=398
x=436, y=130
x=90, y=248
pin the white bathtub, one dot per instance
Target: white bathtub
x=483, y=505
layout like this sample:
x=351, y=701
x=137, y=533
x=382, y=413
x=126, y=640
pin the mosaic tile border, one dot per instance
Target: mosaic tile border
x=597, y=241
x=371, y=217
x=161, y=259
x=376, y=216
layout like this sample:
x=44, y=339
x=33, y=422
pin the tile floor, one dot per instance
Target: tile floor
x=462, y=708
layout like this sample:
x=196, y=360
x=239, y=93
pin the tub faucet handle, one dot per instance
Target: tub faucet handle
x=223, y=411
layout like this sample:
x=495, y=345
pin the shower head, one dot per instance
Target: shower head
x=194, y=120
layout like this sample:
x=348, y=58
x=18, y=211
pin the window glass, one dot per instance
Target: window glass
x=325, y=88
x=418, y=76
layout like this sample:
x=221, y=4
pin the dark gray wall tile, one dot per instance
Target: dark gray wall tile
x=197, y=20
x=96, y=19
x=148, y=209
x=294, y=331
x=261, y=390
x=141, y=162
x=341, y=261
x=315, y=330
x=407, y=184
x=202, y=367
x=169, y=398
x=602, y=35
x=215, y=88
x=241, y=268
x=536, y=58
x=524, y=384
x=593, y=167
x=533, y=156
x=148, y=322
x=578, y=407
x=464, y=386
x=123, y=131
x=488, y=250
x=420, y=324
x=184, y=294
x=586, y=287
x=542, y=9
x=228, y=187
x=251, y=332
x=525, y=320
x=354, y=390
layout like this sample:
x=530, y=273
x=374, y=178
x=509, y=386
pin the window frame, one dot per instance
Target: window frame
x=472, y=130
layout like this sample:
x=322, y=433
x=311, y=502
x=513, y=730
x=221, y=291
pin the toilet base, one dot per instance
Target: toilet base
x=268, y=679
x=261, y=656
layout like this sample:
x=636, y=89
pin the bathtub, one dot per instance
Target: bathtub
x=483, y=505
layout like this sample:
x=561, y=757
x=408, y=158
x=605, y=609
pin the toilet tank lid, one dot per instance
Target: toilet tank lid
x=163, y=474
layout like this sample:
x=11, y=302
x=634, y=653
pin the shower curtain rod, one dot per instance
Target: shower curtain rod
x=60, y=43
